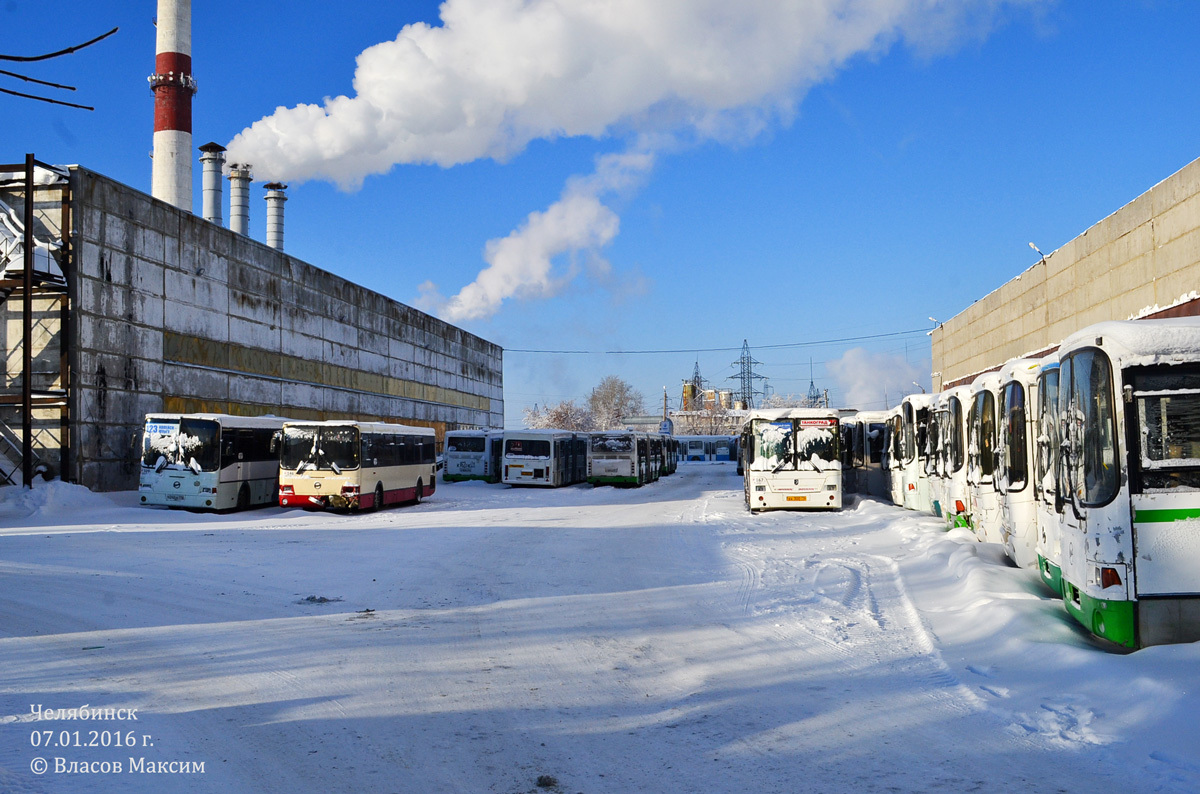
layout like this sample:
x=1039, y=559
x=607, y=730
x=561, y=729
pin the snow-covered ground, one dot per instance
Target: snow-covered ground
x=600, y=640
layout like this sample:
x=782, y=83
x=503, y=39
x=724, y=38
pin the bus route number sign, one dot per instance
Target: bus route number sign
x=818, y=422
x=161, y=428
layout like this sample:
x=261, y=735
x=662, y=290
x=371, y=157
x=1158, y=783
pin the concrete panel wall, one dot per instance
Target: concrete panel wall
x=1144, y=255
x=172, y=313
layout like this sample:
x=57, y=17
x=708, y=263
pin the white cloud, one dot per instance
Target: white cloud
x=498, y=74
x=871, y=381
x=521, y=265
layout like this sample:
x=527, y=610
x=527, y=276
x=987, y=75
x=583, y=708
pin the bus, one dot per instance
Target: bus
x=1129, y=479
x=981, y=458
x=350, y=465
x=552, y=458
x=618, y=457
x=472, y=455
x=868, y=439
x=1016, y=446
x=209, y=461
x=956, y=495
x=914, y=417
x=1046, y=485
x=792, y=459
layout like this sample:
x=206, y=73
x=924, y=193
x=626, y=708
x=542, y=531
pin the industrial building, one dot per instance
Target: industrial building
x=1142, y=261
x=138, y=306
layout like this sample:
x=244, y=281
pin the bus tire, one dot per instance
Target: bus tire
x=243, y=498
x=378, y=496
x=420, y=492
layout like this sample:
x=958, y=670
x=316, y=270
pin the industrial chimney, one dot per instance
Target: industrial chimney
x=239, y=197
x=173, y=87
x=275, y=198
x=213, y=160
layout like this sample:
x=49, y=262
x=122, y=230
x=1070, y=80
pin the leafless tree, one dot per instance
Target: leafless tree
x=566, y=415
x=613, y=400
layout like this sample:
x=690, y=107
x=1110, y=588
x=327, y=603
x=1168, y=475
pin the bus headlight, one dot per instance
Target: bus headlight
x=831, y=486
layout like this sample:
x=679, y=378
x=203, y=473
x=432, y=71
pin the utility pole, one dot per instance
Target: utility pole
x=746, y=376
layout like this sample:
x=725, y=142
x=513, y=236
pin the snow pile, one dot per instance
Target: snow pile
x=48, y=500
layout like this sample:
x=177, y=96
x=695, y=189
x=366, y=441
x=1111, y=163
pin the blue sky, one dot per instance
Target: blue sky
x=906, y=184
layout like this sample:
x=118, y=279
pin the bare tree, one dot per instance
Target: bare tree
x=45, y=57
x=566, y=415
x=612, y=400
x=785, y=401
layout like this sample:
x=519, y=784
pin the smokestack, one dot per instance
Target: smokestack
x=173, y=87
x=213, y=159
x=275, y=198
x=239, y=197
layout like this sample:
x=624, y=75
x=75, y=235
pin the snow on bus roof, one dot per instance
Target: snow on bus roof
x=268, y=420
x=1140, y=342
x=540, y=433
x=793, y=413
x=369, y=427
x=1023, y=369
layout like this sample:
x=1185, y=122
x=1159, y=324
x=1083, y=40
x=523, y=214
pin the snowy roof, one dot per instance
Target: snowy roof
x=920, y=400
x=1024, y=370
x=871, y=416
x=1140, y=342
x=793, y=413
x=226, y=420
x=987, y=380
x=539, y=433
x=365, y=427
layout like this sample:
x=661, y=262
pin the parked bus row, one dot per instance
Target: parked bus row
x=709, y=448
x=221, y=462
x=1084, y=465
x=558, y=457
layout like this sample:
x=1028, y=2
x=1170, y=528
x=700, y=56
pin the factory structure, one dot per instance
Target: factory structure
x=117, y=304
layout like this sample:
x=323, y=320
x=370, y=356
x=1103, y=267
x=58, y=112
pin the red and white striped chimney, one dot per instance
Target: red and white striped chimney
x=173, y=86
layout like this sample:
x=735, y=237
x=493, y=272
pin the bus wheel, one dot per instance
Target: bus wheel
x=378, y=496
x=243, y=500
x=420, y=491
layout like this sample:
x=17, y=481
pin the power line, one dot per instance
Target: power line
x=760, y=347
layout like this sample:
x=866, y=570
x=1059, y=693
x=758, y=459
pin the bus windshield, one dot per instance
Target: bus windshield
x=315, y=447
x=614, y=445
x=465, y=444
x=188, y=443
x=527, y=448
x=793, y=444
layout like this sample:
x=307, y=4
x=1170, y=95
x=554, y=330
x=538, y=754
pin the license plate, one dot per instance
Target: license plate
x=174, y=498
x=797, y=498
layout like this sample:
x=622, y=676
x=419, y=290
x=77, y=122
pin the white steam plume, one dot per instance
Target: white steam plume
x=498, y=74
x=872, y=381
x=521, y=264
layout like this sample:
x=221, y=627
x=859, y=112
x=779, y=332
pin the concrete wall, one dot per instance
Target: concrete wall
x=1146, y=254
x=173, y=313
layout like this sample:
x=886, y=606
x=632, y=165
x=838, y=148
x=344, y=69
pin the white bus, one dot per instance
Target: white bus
x=1129, y=479
x=792, y=459
x=1045, y=481
x=472, y=455
x=618, y=457
x=544, y=457
x=981, y=458
x=914, y=416
x=344, y=464
x=1016, y=445
x=209, y=461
